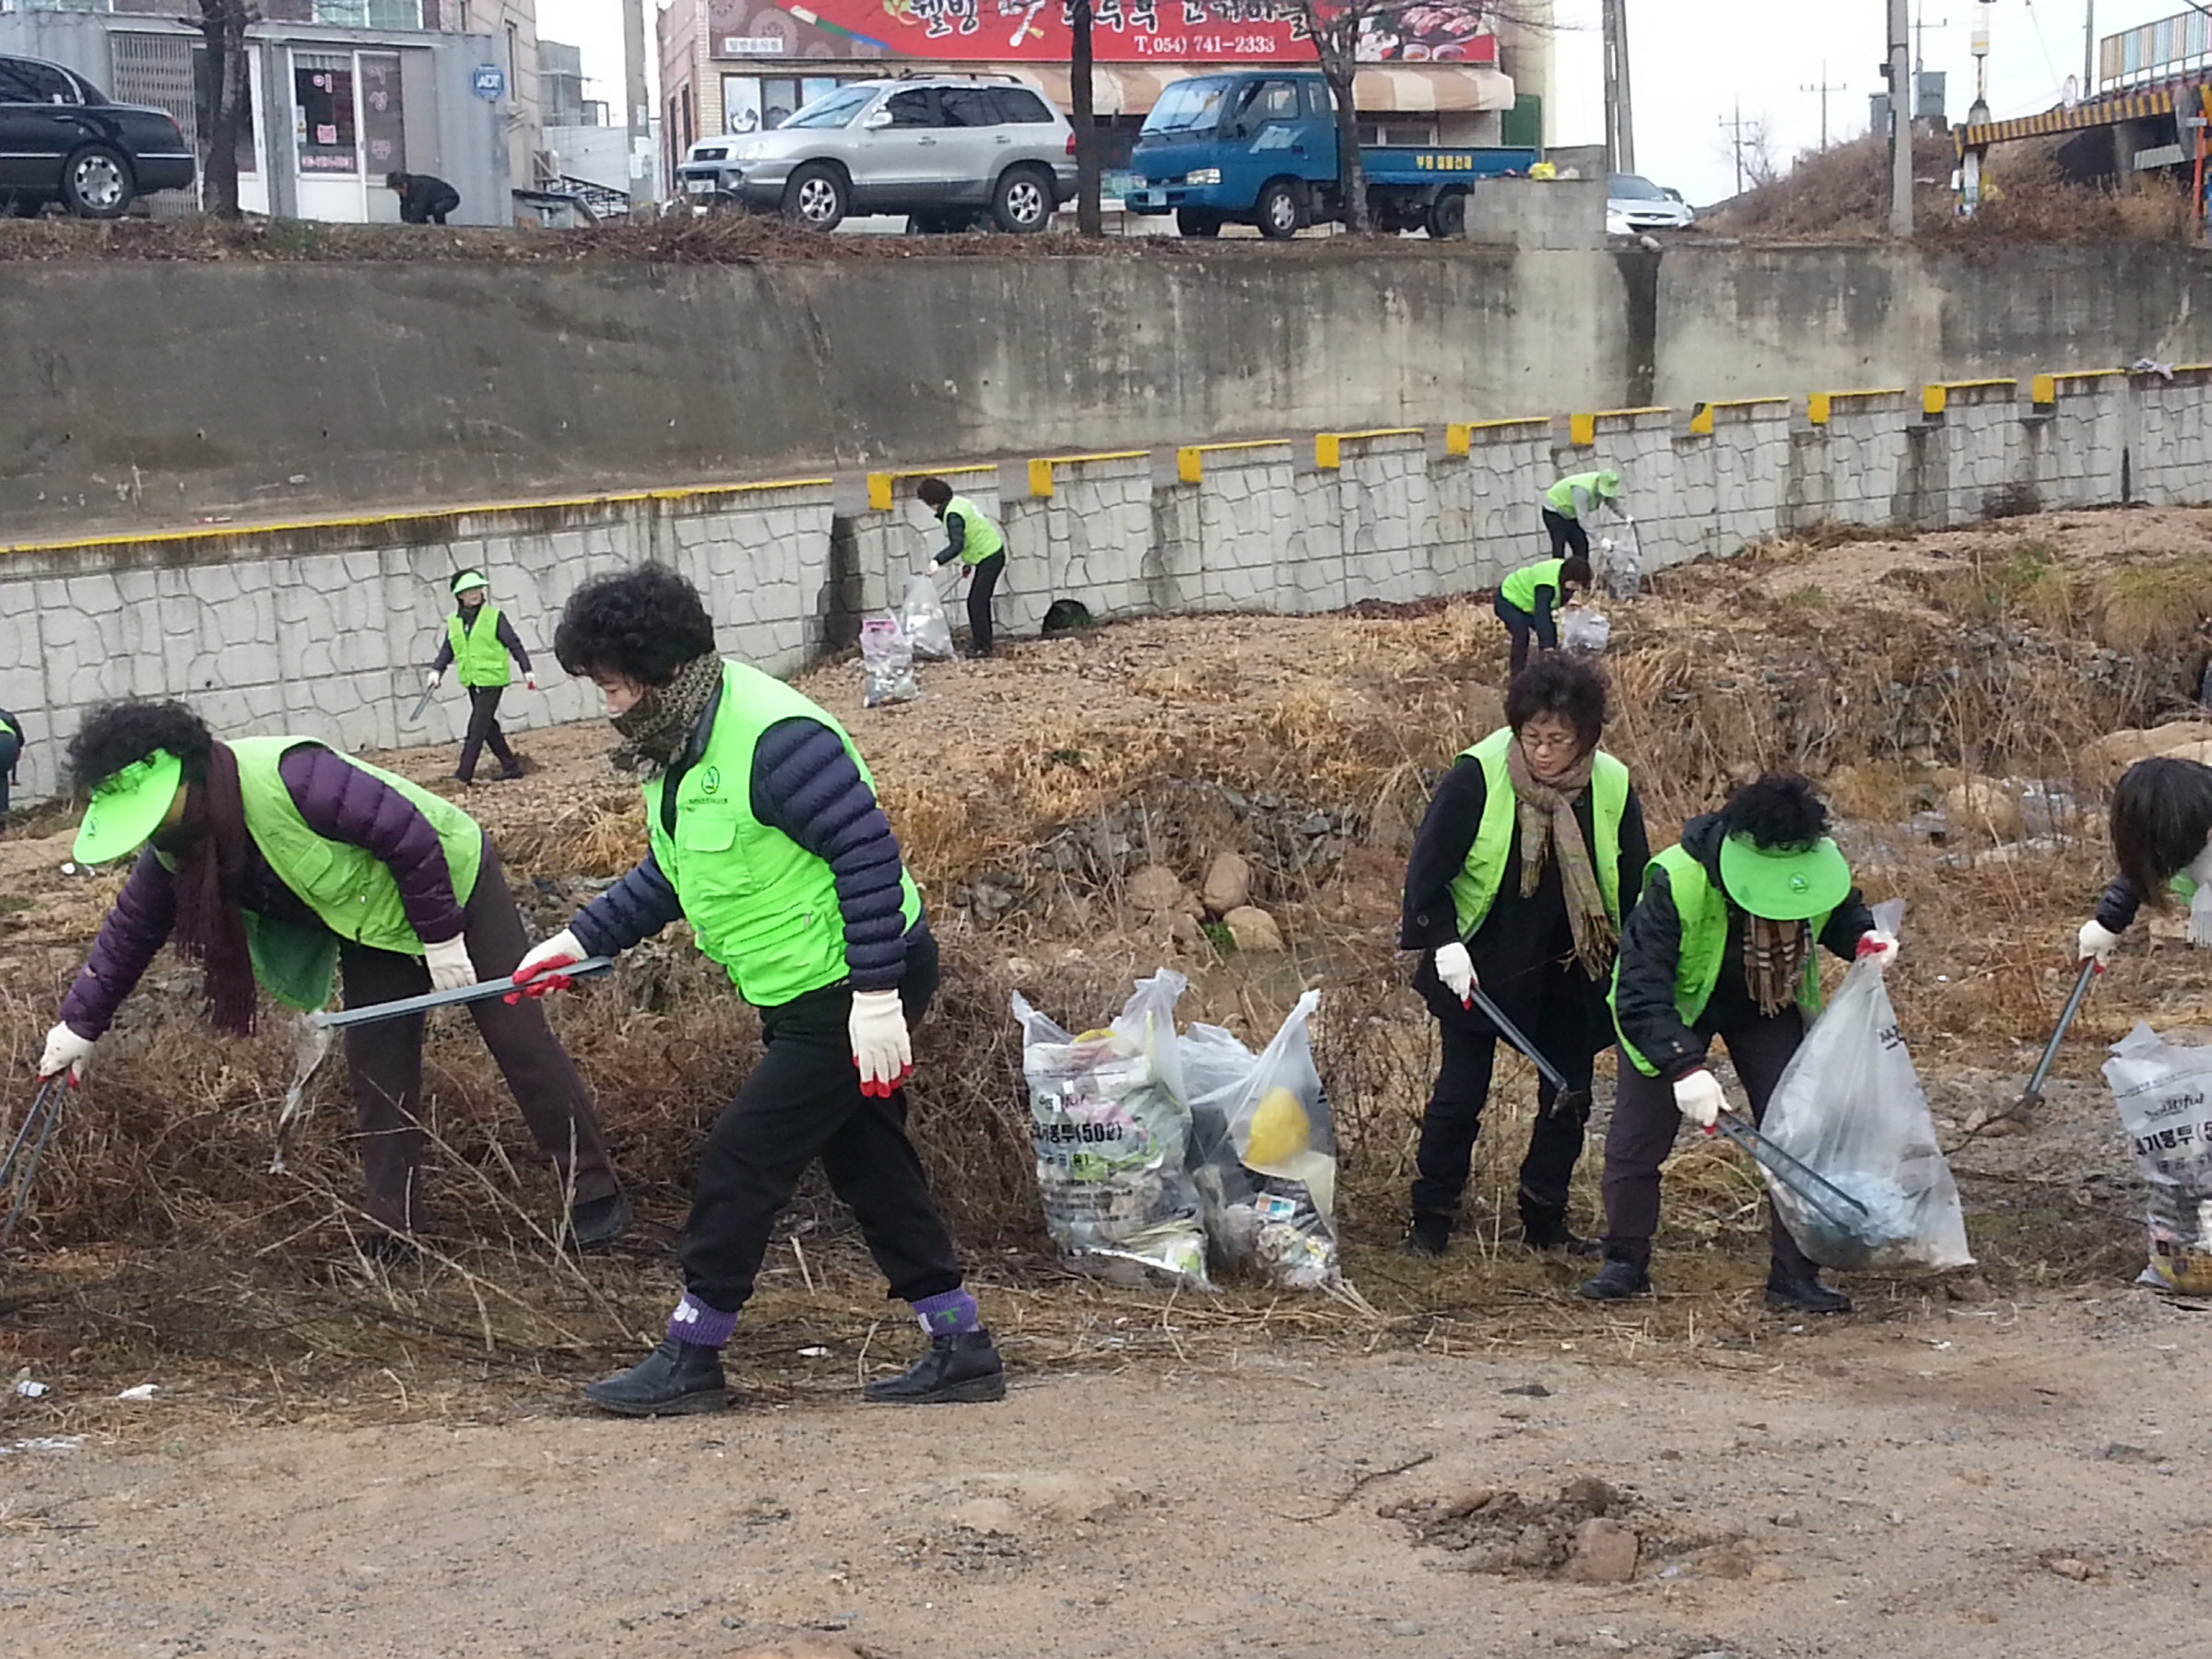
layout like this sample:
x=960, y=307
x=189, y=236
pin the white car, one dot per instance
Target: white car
x=1634, y=206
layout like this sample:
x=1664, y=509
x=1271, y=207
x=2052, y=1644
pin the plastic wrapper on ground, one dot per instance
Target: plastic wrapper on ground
x=2164, y=1093
x=922, y=616
x=1113, y=1140
x=886, y=664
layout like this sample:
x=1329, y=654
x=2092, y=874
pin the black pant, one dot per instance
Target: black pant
x=1520, y=625
x=384, y=1061
x=1560, y=1030
x=1644, y=1124
x=1567, y=535
x=484, y=728
x=803, y=1101
x=982, y=580
x=10, y=747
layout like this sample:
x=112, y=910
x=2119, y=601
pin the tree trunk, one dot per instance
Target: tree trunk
x=223, y=27
x=1088, y=219
x=1351, y=176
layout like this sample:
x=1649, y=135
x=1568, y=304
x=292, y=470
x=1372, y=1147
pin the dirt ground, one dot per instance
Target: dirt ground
x=340, y=1461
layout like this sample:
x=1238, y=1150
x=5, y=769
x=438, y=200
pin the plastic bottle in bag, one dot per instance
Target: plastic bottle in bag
x=2164, y=1093
x=921, y=615
x=886, y=664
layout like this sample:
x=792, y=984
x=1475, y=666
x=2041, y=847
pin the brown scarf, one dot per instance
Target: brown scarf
x=1548, y=829
x=1774, y=955
x=656, y=726
x=209, y=879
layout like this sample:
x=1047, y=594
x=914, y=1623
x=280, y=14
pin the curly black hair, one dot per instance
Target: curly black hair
x=1569, y=687
x=1776, y=809
x=2161, y=817
x=645, y=624
x=933, y=492
x=119, y=734
x=1574, y=572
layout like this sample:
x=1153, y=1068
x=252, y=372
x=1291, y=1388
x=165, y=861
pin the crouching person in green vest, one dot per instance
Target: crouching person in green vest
x=977, y=543
x=765, y=835
x=281, y=860
x=1722, y=945
x=1530, y=598
x=1516, y=885
x=1565, y=502
x=481, y=643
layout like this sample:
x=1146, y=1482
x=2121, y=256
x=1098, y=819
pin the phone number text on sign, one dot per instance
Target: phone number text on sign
x=1176, y=46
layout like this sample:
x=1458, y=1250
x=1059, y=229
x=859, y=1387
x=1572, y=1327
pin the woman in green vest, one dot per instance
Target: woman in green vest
x=11, y=752
x=481, y=643
x=976, y=542
x=1529, y=596
x=281, y=860
x=1722, y=945
x=1532, y=844
x=1566, y=501
x=764, y=834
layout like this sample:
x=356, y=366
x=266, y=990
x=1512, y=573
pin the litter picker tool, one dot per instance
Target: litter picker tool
x=484, y=990
x=1794, y=1173
x=1568, y=1095
x=422, y=703
x=2040, y=1074
x=29, y=1146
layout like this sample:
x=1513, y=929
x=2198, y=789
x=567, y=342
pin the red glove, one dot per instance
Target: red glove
x=539, y=971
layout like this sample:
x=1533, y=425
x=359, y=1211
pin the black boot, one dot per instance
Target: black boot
x=1805, y=1296
x=1427, y=1234
x=599, y=1220
x=675, y=1379
x=1617, y=1281
x=956, y=1370
x=1548, y=1229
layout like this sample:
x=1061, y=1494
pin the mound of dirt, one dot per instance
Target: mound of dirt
x=1502, y=1532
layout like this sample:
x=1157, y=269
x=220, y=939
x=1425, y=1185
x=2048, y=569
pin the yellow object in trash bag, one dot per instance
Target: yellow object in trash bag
x=1279, y=1130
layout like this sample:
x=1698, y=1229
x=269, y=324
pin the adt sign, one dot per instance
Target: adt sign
x=490, y=82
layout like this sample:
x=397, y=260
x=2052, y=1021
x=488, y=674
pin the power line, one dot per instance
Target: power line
x=1824, y=88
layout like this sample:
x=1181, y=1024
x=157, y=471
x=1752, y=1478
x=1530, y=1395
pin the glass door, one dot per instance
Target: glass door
x=326, y=136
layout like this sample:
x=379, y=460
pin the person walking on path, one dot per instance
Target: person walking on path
x=1722, y=945
x=764, y=833
x=481, y=640
x=279, y=859
x=1566, y=501
x=2161, y=831
x=11, y=753
x=977, y=543
x=1530, y=597
x=1531, y=848
x=424, y=198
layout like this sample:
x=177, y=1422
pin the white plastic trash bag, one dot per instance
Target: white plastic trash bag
x=1850, y=1108
x=921, y=615
x=1587, y=632
x=1620, y=563
x=886, y=664
x=2164, y=1093
x=1113, y=1140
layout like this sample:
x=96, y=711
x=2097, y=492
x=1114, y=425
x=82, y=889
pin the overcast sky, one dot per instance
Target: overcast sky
x=1692, y=62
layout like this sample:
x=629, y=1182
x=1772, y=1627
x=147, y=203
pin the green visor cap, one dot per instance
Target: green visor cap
x=467, y=580
x=128, y=808
x=1784, y=884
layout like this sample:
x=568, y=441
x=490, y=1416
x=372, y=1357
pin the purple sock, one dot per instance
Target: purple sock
x=699, y=1325
x=948, y=1313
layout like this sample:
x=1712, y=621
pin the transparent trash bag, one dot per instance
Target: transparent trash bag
x=921, y=615
x=886, y=664
x=1113, y=1140
x=2164, y=1093
x=1620, y=563
x=1850, y=1108
x=1265, y=1152
x=1587, y=633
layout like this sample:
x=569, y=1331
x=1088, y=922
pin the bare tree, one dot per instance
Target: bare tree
x=222, y=25
x=1090, y=221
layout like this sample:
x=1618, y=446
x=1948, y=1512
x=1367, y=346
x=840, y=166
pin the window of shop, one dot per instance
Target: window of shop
x=759, y=103
x=323, y=113
x=383, y=124
x=370, y=14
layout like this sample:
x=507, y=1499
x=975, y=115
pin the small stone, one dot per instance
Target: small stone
x=1227, y=885
x=1789, y=1518
x=2066, y=1567
x=1155, y=890
x=1586, y=1491
x=1770, y=1572
x=1404, y=1628
x=2120, y=1452
x=1253, y=930
x=1605, y=1553
x=1531, y=1548
x=1462, y=1504
x=1532, y=1391
x=1184, y=930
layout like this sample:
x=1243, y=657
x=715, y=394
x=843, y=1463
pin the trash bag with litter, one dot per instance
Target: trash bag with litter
x=1850, y=1108
x=2164, y=1093
x=1620, y=564
x=1587, y=632
x=921, y=615
x=1267, y=1151
x=886, y=664
x=1113, y=1140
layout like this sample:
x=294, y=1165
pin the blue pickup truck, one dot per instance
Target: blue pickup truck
x=1258, y=146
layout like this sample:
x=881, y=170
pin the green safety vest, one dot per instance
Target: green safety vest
x=9, y=727
x=1702, y=907
x=1475, y=889
x=478, y=658
x=1560, y=496
x=759, y=903
x=982, y=538
x=1518, y=588
x=349, y=888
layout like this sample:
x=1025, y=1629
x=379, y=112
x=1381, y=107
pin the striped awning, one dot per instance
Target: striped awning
x=2105, y=111
x=1133, y=88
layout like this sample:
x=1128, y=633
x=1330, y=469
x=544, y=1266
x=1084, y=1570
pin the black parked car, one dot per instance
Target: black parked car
x=62, y=139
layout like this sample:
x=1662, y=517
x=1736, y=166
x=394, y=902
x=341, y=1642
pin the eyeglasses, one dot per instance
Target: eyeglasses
x=1541, y=744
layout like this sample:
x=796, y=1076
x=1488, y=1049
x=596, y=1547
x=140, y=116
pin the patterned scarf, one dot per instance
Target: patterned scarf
x=659, y=723
x=1774, y=955
x=1548, y=828
x=210, y=850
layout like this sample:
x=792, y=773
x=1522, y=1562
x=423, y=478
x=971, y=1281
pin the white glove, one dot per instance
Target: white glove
x=2095, y=943
x=1877, y=947
x=880, y=1046
x=1698, y=1098
x=429, y=680
x=1456, y=968
x=449, y=966
x=537, y=973
x=529, y=681
x=65, y=1050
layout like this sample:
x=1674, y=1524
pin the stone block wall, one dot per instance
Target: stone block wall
x=2172, y=444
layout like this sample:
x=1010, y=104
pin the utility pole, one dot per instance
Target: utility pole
x=1735, y=125
x=1824, y=88
x=637, y=105
x=2088, y=52
x=1899, y=71
x=1620, y=114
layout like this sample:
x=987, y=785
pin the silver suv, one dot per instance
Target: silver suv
x=942, y=150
